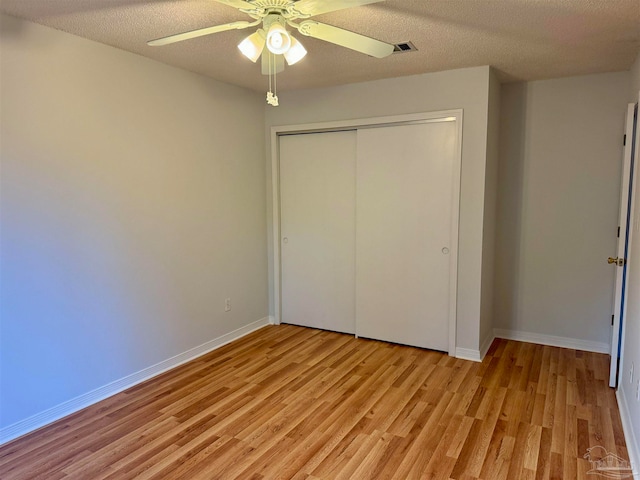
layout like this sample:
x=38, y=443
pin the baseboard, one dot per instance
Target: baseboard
x=71, y=406
x=629, y=435
x=476, y=355
x=468, y=354
x=553, y=341
x=486, y=345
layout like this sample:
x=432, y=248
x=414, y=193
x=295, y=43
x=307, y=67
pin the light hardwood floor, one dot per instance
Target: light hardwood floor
x=291, y=402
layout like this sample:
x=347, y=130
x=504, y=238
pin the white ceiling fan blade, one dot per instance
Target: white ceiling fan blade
x=316, y=7
x=199, y=33
x=345, y=38
x=239, y=4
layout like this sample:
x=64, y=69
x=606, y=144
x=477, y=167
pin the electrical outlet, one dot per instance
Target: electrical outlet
x=631, y=374
x=227, y=304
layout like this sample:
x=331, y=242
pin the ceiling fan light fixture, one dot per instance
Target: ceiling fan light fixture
x=253, y=45
x=295, y=53
x=278, y=39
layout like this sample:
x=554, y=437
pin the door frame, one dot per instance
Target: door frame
x=353, y=124
x=625, y=230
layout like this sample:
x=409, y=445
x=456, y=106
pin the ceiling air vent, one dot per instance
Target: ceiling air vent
x=404, y=47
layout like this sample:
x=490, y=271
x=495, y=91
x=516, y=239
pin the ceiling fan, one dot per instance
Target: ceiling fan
x=275, y=15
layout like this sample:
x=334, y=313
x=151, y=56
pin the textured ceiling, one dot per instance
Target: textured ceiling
x=523, y=39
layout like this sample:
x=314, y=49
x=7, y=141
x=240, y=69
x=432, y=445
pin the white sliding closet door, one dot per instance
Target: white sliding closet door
x=403, y=232
x=317, y=195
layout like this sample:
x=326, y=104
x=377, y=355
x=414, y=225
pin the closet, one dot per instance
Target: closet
x=368, y=230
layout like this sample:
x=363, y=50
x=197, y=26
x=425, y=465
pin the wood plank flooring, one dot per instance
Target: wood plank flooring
x=287, y=402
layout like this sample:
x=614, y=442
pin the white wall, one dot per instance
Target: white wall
x=560, y=163
x=466, y=89
x=630, y=406
x=133, y=204
x=487, y=310
x=635, y=79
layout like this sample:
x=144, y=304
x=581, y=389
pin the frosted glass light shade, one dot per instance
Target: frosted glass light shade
x=278, y=39
x=295, y=53
x=252, y=46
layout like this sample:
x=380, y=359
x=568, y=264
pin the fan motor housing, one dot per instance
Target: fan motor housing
x=272, y=18
x=279, y=4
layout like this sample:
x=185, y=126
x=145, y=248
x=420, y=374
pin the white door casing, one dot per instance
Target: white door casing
x=624, y=232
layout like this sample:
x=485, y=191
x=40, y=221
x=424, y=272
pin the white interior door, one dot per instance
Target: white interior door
x=317, y=195
x=623, y=241
x=405, y=201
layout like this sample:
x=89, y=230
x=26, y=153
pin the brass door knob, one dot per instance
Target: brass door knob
x=616, y=261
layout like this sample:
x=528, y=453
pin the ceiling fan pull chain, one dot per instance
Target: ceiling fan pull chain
x=275, y=82
x=269, y=94
x=270, y=69
x=272, y=99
